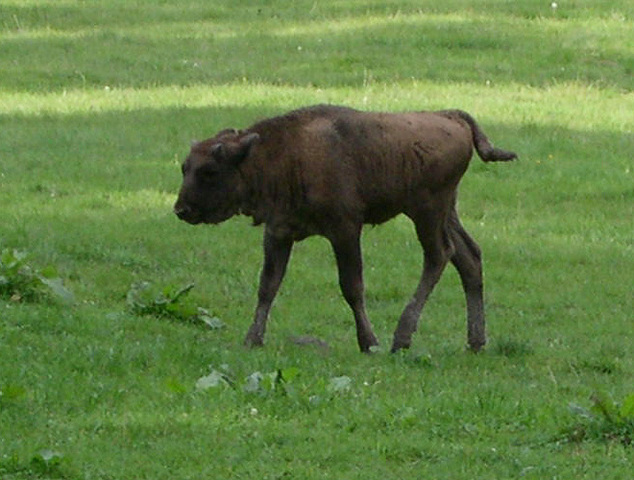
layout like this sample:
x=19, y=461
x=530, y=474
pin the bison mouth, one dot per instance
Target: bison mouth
x=195, y=217
x=188, y=215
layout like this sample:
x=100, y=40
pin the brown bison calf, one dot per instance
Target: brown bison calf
x=328, y=170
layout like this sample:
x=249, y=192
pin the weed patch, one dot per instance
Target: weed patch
x=20, y=281
x=281, y=382
x=607, y=366
x=10, y=393
x=169, y=302
x=46, y=464
x=605, y=420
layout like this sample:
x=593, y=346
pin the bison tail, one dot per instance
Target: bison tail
x=483, y=146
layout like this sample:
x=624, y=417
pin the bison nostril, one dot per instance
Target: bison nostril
x=181, y=212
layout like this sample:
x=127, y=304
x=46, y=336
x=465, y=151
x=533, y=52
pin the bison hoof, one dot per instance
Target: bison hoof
x=253, y=343
x=476, y=347
x=369, y=349
x=400, y=344
x=397, y=348
x=368, y=344
x=255, y=335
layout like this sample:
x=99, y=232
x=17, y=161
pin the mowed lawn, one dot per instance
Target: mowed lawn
x=99, y=102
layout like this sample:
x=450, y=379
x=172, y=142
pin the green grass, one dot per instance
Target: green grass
x=98, y=104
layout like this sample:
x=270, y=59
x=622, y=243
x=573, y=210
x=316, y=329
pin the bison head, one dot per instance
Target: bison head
x=210, y=192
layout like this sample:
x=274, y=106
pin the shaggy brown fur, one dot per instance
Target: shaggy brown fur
x=328, y=170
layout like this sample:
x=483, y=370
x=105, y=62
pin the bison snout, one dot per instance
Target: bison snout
x=182, y=212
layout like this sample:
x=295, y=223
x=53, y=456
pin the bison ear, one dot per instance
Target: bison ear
x=218, y=151
x=233, y=152
x=249, y=140
x=237, y=153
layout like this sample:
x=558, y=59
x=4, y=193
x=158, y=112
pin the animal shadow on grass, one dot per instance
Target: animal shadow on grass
x=512, y=347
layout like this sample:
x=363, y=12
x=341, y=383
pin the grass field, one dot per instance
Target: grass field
x=98, y=104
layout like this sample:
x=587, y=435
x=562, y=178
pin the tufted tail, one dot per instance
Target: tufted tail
x=483, y=146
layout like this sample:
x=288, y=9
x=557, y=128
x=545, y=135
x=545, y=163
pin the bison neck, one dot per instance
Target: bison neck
x=273, y=193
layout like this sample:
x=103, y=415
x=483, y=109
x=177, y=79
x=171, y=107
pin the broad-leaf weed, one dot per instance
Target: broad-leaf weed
x=170, y=302
x=20, y=281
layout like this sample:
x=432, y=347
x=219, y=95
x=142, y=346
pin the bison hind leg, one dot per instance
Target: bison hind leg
x=467, y=259
x=431, y=228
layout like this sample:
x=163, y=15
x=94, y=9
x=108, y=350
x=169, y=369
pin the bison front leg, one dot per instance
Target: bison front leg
x=347, y=248
x=276, y=254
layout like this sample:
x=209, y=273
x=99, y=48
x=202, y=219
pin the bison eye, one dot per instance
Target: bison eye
x=207, y=172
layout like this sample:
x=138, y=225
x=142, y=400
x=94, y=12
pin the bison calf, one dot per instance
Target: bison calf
x=327, y=170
